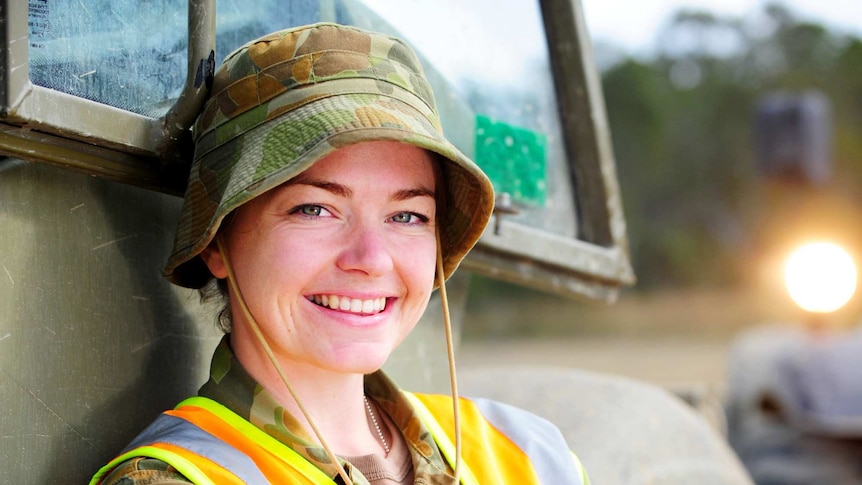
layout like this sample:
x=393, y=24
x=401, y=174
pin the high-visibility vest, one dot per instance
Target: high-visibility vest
x=210, y=444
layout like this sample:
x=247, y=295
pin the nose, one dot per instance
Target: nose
x=365, y=250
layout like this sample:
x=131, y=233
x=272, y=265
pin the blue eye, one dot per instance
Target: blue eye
x=310, y=210
x=409, y=218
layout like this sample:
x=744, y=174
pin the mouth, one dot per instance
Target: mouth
x=350, y=305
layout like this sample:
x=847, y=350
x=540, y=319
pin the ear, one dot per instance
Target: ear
x=215, y=262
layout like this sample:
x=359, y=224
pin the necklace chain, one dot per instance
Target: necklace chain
x=376, y=425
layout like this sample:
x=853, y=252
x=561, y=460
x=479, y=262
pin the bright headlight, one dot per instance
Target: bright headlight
x=820, y=277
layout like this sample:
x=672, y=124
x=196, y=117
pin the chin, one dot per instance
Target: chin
x=359, y=362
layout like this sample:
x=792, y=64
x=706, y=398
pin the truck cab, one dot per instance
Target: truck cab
x=98, y=99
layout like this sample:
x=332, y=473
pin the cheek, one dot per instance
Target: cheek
x=423, y=264
x=421, y=285
x=276, y=263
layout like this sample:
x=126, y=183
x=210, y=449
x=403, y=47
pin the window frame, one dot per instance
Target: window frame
x=153, y=152
x=94, y=137
x=595, y=264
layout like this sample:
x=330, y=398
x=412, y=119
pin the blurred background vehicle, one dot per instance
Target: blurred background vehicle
x=707, y=230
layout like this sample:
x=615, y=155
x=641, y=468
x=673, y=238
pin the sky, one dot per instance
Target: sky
x=480, y=38
x=632, y=24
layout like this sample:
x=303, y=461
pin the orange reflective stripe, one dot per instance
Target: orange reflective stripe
x=197, y=468
x=211, y=445
x=269, y=464
x=213, y=471
x=490, y=455
x=275, y=460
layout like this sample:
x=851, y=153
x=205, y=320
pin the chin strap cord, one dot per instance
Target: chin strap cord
x=450, y=351
x=260, y=337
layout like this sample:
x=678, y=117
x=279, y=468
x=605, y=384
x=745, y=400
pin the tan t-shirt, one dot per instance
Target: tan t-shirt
x=395, y=469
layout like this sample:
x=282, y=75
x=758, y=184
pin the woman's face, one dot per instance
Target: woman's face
x=338, y=264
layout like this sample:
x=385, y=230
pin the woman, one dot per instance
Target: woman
x=324, y=196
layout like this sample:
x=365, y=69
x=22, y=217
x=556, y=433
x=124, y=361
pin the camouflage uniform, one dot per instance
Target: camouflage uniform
x=230, y=385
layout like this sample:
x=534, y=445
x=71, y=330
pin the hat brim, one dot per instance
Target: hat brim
x=277, y=150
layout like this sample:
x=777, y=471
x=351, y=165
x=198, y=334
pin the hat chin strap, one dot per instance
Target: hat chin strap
x=450, y=351
x=269, y=353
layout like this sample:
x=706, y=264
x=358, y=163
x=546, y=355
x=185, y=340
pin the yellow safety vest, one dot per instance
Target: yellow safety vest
x=210, y=444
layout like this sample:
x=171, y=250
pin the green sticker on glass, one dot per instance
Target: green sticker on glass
x=514, y=159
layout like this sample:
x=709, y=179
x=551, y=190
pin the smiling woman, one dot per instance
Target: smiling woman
x=356, y=228
x=325, y=197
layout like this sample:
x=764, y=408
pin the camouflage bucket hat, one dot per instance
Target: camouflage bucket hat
x=284, y=101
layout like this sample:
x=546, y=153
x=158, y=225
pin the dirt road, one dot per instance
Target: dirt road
x=669, y=362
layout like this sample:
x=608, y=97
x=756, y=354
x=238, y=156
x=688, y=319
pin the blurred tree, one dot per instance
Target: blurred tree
x=682, y=130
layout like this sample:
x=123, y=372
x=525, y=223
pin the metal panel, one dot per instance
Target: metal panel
x=93, y=342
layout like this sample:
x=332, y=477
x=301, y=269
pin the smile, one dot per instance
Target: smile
x=347, y=304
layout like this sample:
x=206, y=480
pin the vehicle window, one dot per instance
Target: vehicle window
x=132, y=55
x=503, y=100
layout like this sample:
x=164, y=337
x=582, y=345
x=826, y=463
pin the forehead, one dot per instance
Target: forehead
x=376, y=164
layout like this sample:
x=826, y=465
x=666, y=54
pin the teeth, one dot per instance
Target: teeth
x=352, y=305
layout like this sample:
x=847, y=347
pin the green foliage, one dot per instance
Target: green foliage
x=682, y=127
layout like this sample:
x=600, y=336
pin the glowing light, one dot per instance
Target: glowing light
x=820, y=277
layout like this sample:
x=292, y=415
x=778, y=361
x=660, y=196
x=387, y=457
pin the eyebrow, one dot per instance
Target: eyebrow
x=337, y=189
x=411, y=193
x=343, y=191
